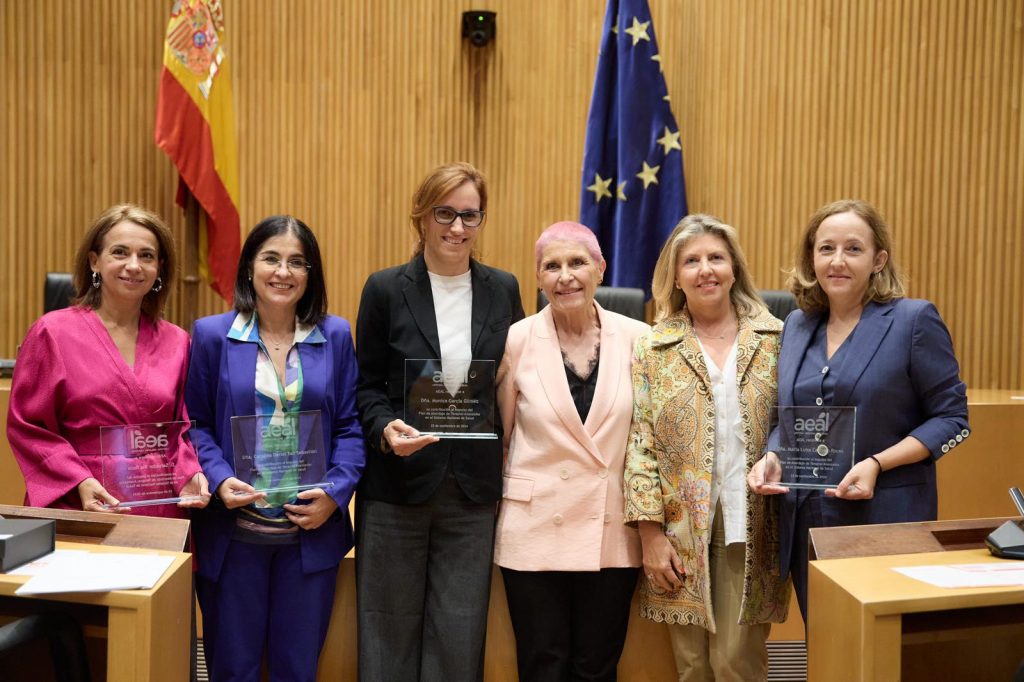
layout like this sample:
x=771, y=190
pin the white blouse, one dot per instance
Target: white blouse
x=453, y=308
x=729, y=476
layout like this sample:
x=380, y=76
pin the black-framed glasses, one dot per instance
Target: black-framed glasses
x=297, y=266
x=446, y=215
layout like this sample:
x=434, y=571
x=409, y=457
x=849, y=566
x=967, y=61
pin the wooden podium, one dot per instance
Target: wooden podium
x=147, y=632
x=868, y=622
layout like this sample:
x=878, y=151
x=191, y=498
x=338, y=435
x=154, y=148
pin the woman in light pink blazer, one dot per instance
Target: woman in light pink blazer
x=566, y=399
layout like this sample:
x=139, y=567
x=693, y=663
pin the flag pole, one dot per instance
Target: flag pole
x=190, y=262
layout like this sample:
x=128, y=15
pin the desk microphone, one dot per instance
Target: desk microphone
x=1018, y=500
x=1007, y=541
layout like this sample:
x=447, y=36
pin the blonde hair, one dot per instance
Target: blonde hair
x=88, y=295
x=884, y=286
x=669, y=299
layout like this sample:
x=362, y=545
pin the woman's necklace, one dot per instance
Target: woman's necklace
x=276, y=343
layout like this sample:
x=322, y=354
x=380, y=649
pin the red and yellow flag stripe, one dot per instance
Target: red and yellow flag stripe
x=195, y=127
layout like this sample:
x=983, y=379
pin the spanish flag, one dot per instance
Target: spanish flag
x=195, y=126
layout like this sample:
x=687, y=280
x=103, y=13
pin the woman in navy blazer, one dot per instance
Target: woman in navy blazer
x=855, y=341
x=267, y=567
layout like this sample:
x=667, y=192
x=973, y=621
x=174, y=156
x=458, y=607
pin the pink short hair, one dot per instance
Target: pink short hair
x=568, y=231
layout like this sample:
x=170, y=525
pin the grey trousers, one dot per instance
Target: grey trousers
x=423, y=583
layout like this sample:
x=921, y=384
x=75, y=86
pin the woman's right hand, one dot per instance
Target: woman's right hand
x=405, y=440
x=662, y=566
x=94, y=496
x=765, y=476
x=234, y=493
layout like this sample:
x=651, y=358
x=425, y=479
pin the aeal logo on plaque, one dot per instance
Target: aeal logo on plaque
x=440, y=376
x=285, y=430
x=138, y=443
x=817, y=424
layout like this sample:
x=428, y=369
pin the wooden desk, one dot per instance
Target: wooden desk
x=973, y=478
x=147, y=631
x=847, y=542
x=868, y=622
x=112, y=530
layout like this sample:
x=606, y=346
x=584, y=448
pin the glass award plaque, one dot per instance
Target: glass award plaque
x=281, y=453
x=817, y=446
x=456, y=401
x=137, y=463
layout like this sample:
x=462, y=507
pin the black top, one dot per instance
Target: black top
x=582, y=390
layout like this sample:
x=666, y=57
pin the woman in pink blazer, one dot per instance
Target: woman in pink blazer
x=566, y=399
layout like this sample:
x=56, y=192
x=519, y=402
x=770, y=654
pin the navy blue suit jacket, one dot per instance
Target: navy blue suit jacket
x=901, y=375
x=221, y=385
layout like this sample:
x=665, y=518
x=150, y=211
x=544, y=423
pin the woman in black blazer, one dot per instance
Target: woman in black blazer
x=425, y=507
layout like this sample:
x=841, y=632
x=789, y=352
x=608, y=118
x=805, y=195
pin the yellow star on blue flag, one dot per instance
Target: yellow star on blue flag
x=638, y=31
x=600, y=188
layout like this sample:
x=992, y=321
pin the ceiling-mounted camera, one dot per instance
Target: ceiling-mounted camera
x=479, y=26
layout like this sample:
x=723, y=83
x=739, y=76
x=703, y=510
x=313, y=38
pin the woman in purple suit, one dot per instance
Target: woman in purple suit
x=268, y=562
x=857, y=342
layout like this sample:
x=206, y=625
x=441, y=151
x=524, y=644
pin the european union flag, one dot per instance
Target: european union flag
x=633, y=188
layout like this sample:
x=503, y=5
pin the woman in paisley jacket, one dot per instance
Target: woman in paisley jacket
x=704, y=384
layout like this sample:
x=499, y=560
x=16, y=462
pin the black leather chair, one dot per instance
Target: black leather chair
x=623, y=300
x=780, y=303
x=58, y=291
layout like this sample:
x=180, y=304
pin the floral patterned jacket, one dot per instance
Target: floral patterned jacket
x=670, y=458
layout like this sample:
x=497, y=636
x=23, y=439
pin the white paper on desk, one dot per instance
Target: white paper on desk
x=967, y=575
x=98, y=572
x=35, y=566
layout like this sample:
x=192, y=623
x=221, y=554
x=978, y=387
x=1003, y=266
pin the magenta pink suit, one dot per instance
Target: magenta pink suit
x=69, y=380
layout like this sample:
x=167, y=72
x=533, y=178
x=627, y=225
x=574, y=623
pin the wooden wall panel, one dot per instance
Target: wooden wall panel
x=343, y=106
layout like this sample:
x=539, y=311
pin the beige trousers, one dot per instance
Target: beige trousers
x=733, y=652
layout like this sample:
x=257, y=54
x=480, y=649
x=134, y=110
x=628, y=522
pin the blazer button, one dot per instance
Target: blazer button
x=959, y=438
x=603, y=473
x=557, y=519
x=563, y=474
x=965, y=433
x=818, y=402
x=952, y=443
x=945, y=448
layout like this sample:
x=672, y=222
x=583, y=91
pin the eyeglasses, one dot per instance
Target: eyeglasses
x=446, y=215
x=296, y=266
